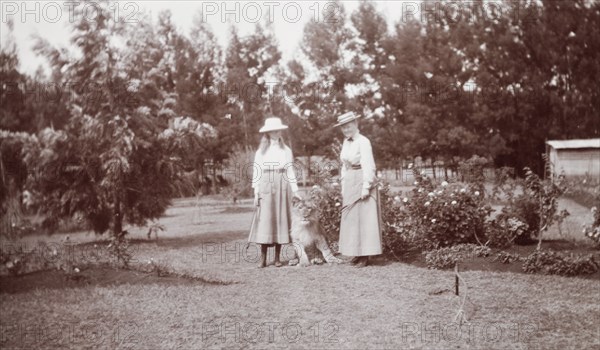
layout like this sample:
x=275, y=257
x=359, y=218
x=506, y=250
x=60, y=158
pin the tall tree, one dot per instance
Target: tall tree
x=116, y=161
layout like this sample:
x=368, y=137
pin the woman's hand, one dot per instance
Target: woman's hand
x=297, y=196
x=256, y=200
x=364, y=193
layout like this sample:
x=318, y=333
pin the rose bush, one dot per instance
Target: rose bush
x=445, y=215
x=328, y=198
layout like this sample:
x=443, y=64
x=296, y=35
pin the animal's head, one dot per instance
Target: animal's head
x=305, y=210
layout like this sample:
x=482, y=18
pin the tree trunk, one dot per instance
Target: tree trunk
x=117, y=217
x=214, y=176
x=308, y=174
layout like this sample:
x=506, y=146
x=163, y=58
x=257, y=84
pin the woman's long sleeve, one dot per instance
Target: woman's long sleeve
x=290, y=173
x=256, y=171
x=367, y=163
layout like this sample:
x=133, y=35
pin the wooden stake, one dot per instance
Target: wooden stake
x=456, y=278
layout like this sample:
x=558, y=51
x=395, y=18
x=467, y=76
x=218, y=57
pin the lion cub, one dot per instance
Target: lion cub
x=306, y=232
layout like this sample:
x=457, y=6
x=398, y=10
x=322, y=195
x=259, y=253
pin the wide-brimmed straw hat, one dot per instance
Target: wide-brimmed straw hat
x=273, y=124
x=346, y=118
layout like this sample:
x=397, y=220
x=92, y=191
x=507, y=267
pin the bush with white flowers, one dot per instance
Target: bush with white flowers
x=593, y=231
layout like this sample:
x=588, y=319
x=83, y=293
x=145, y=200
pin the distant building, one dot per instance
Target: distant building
x=574, y=157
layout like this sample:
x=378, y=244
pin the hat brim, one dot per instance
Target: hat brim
x=347, y=121
x=284, y=127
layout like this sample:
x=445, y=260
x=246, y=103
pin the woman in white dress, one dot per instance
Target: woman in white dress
x=274, y=182
x=360, y=228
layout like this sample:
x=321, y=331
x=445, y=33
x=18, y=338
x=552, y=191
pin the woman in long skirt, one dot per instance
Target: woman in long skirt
x=360, y=228
x=274, y=183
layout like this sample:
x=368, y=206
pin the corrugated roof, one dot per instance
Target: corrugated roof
x=564, y=144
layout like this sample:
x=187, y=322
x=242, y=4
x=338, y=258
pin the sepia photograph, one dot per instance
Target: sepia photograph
x=334, y=174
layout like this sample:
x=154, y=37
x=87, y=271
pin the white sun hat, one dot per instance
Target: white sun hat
x=346, y=117
x=273, y=124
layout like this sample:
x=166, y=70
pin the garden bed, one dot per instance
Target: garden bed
x=492, y=263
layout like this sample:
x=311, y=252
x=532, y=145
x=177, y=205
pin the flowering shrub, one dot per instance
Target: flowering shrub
x=536, y=206
x=593, y=231
x=445, y=215
x=328, y=199
x=399, y=235
x=555, y=263
x=448, y=256
x=396, y=229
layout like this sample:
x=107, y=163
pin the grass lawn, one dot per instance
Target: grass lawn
x=235, y=305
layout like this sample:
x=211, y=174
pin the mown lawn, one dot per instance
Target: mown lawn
x=389, y=305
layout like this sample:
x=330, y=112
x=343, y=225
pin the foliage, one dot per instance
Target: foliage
x=446, y=257
x=432, y=217
x=507, y=258
x=238, y=172
x=13, y=176
x=446, y=214
x=593, y=231
x=329, y=201
x=472, y=172
x=536, y=206
x=557, y=263
x=399, y=234
x=504, y=231
x=413, y=82
x=119, y=249
x=17, y=257
x=121, y=156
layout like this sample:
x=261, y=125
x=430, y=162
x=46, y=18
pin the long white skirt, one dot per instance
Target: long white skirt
x=272, y=219
x=360, y=228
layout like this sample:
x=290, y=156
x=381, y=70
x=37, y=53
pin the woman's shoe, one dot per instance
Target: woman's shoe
x=354, y=260
x=364, y=261
x=278, y=264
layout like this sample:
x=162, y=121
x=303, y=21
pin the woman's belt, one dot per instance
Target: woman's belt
x=282, y=170
x=355, y=166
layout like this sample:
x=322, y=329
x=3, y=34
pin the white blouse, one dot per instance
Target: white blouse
x=276, y=158
x=355, y=152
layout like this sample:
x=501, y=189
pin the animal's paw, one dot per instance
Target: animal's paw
x=334, y=260
x=304, y=264
x=317, y=261
x=293, y=262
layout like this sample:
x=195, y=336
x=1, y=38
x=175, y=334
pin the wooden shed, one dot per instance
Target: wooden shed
x=574, y=157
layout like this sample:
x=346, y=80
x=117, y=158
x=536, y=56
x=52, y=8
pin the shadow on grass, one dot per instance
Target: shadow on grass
x=96, y=276
x=182, y=242
x=236, y=210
